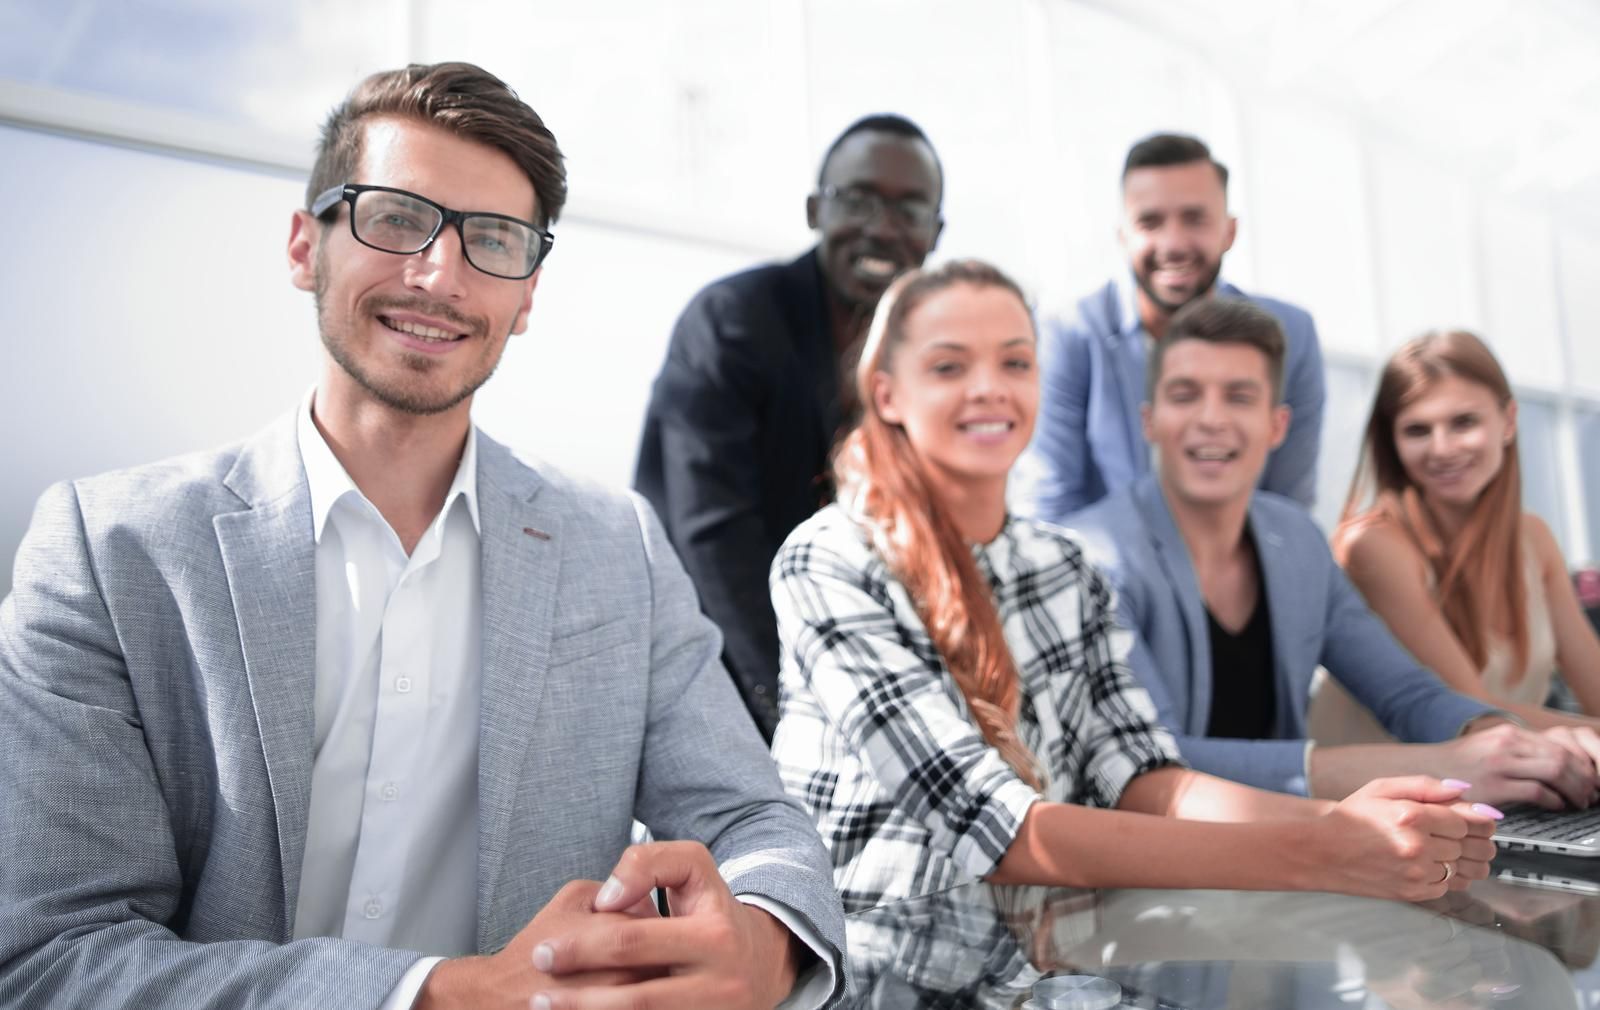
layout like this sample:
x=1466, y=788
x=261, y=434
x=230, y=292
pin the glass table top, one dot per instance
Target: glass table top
x=1527, y=938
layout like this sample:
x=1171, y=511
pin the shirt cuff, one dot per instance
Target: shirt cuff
x=812, y=989
x=404, y=994
x=1493, y=713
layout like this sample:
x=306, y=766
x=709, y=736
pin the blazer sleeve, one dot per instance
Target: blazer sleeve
x=91, y=886
x=706, y=775
x=1061, y=440
x=1279, y=765
x=705, y=483
x=1409, y=700
x=1291, y=470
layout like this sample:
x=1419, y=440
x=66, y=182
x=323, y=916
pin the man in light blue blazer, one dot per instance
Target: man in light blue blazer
x=1176, y=229
x=359, y=712
x=1234, y=598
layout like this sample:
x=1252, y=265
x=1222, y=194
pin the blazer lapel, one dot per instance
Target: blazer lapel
x=812, y=333
x=1125, y=357
x=521, y=562
x=1178, y=570
x=269, y=557
x=1280, y=577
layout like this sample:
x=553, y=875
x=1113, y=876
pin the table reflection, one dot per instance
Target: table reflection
x=1499, y=945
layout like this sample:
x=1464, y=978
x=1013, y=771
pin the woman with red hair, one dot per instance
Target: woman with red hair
x=955, y=698
x=1434, y=535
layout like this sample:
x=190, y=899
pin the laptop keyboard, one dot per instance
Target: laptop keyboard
x=1553, y=825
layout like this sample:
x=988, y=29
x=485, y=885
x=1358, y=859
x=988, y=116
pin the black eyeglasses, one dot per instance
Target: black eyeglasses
x=862, y=205
x=395, y=221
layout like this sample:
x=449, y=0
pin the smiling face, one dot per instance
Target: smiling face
x=1175, y=229
x=1212, y=421
x=418, y=334
x=861, y=257
x=962, y=383
x=1452, y=440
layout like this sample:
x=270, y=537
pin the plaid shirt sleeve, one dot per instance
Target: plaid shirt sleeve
x=853, y=663
x=1115, y=734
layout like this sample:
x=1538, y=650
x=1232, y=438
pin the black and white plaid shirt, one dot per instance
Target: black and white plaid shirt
x=877, y=741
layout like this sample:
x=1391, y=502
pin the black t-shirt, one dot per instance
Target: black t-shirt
x=1244, y=694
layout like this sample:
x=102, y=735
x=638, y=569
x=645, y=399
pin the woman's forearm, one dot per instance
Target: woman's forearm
x=1198, y=796
x=1063, y=844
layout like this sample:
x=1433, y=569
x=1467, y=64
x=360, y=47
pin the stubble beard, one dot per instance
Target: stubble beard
x=1208, y=285
x=413, y=401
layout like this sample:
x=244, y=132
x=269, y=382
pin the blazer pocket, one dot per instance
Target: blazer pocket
x=586, y=642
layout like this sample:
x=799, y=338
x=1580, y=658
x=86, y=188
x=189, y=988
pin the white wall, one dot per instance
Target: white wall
x=149, y=312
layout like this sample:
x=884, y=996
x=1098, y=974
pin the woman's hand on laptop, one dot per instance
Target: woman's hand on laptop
x=1553, y=768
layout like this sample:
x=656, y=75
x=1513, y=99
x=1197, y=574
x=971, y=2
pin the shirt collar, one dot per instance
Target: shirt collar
x=328, y=481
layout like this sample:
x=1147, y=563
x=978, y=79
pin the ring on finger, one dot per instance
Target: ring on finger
x=1449, y=871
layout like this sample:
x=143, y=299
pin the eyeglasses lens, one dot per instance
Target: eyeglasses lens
x=401, y=224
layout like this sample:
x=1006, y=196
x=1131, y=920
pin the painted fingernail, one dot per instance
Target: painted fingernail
x=610, y=892
x=539, y=1002
x=1487, y=811
x=543, y=957
x=1457, y=784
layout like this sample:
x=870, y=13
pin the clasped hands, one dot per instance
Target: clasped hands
x=599, y=947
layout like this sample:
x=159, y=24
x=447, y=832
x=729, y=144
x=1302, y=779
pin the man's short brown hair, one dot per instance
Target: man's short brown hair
x=464, y=99
x=1223, y=321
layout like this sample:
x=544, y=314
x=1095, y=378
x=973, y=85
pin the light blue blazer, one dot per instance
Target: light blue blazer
x=157, y=672
x=1317, y=618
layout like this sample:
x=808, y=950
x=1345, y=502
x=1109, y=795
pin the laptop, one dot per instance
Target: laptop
x=1534, y=829
x=1542, y=869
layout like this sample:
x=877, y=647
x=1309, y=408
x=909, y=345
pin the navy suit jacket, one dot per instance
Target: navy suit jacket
x=1318, y=618
x=1090, y=442
x=735, y=449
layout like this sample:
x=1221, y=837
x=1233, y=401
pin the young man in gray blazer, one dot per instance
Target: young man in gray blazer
x=358, y=712
x=1235, y=599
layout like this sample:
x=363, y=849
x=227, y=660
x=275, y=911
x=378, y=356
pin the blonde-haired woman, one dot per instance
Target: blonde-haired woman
x=955, y=701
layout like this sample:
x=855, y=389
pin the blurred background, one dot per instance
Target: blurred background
x=1397, y=165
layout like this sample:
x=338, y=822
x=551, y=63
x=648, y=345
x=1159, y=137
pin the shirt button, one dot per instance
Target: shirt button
x=373, y=910
x=390, y=792
x=403, y=685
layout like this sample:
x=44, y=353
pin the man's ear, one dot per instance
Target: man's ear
x=1282, y=414
x=814, y=211
x=883, y=398
x=1144, y=422
x=305, y=240
x=1233, y=233
x=520, y=324
x=938, y=229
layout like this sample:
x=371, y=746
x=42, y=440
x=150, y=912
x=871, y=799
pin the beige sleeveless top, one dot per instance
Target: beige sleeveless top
x=1337, y=718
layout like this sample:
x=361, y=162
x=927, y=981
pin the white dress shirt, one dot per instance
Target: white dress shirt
x=391, y=852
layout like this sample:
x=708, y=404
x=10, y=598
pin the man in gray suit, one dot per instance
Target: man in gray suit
x=355, y=713
x=1235, y=599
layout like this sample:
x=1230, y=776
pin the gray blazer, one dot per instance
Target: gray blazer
x=1317, y=618
x=156, y=671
